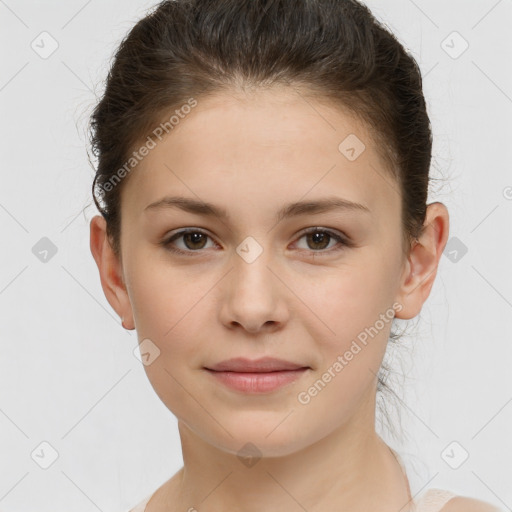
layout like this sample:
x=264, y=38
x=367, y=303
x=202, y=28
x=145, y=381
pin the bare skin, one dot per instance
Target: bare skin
x=251, y=155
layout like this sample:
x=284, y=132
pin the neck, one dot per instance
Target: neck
x=349, y=469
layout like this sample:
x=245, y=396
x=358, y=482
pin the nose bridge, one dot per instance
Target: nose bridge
x=251, y=273
x=254, y=296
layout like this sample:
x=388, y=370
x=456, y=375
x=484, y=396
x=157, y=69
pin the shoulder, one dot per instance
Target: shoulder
x=465, y=504
x=440, y=500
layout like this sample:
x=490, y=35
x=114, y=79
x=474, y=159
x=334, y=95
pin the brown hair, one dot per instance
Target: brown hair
x=330, y=50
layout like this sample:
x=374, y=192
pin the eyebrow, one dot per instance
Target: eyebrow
x=290, y=210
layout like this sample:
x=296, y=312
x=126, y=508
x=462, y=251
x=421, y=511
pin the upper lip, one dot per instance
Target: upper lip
x=264, y=364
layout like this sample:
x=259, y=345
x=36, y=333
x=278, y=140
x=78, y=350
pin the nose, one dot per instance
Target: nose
x=253, y=297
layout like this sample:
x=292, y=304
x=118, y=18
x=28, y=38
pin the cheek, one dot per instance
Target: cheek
x=160, y=294
x=172, y=307
x=351, y=341
x=355, y=307
x=168, y=307
x=347, y=300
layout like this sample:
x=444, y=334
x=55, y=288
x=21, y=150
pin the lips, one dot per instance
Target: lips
x=256, y=376
x=262, y=365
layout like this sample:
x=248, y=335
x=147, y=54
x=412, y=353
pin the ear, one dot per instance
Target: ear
x=111, y=272
x=421, y=267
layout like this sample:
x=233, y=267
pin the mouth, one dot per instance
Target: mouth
x=262, y=365
x=256, y=376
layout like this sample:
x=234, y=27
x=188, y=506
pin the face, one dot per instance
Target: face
x=317, y=287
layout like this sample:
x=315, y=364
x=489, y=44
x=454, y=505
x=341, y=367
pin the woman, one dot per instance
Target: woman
x=263, y=171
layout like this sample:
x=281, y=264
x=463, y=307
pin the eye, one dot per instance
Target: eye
x=318, y=239
x=194, y=240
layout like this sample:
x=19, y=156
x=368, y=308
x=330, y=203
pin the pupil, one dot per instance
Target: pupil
x=196, y=237
x=318, y=237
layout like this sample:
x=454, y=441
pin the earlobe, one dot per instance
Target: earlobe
x=127, y=327
x=110, y=269
x=423, y=261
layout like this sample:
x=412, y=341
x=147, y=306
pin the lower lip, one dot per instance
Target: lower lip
x=258, y=382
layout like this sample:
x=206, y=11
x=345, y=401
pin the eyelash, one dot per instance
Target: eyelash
x=343, y=241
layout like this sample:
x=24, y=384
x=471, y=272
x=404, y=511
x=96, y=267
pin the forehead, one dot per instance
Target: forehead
x=267, y=147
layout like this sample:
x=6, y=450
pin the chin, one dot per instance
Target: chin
x=271, y=438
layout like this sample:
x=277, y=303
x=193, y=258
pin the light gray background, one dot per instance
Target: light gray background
x=68, y=375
